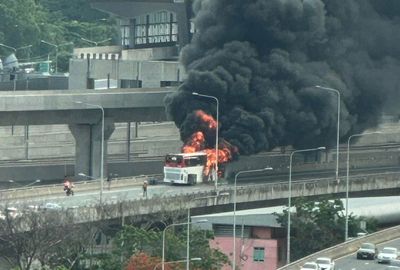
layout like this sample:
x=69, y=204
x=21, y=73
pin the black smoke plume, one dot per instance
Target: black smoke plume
x=261, y=59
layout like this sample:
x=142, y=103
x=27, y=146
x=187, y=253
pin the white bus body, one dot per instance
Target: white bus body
x=185, y=168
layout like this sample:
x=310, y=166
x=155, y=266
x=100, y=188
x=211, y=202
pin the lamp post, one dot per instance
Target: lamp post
x=290, y=196
x=163, y=239
x=102, y=146
x=216, y=135
x=338, y=126
x=15, y=49
x=346, y=228
x=55, y=46
x=95, y=42
x=234, y=210
x=191, y=260
x=188, y=224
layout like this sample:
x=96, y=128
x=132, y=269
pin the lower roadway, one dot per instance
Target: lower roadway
x=350, y=262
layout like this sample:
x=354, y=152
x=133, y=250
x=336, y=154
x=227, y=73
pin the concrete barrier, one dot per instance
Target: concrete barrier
x=347, y=248
x=81, y=186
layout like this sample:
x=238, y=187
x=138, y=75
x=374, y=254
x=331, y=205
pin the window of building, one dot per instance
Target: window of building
x=125, y=36
x=157, y=28
x=258, y=254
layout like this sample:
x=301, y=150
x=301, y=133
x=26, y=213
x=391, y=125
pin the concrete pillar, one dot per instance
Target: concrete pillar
x=81, y=133
x=88, y=147
x=109, y=128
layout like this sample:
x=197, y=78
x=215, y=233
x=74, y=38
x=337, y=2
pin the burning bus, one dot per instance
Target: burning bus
x=199, y=161
x=185, y=168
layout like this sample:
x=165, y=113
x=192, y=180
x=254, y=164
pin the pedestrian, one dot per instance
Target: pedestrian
x=145, y=189
x=109, y=181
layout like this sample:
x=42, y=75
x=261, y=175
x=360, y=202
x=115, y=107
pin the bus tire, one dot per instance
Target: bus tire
x=192, y=179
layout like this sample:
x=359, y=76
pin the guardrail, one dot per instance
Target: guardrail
x=88, y=185
x=348, y=247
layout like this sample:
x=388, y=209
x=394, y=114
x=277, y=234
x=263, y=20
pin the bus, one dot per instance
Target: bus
x=185, y=168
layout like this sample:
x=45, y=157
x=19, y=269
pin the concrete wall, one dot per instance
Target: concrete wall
x=158, y=53
x=249, y=196
x=56, y=141
x=150, y=73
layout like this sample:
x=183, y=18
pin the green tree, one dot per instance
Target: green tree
x=316, y=225
x=27, y=22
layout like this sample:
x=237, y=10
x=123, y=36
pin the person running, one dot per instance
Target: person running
x=68, y=185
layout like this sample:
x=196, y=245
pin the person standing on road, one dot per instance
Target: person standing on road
x=145, y=189
x=109, y=181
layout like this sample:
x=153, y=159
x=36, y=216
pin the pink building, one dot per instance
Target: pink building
x=260, y=240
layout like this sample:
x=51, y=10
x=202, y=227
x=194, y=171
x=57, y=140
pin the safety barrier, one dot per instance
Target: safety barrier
x=57, y=189
x=348, y=247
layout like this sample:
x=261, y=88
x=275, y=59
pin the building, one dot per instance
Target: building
x=260, y=240
x=151, y=35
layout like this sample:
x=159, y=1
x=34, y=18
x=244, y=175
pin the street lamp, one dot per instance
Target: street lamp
x=191, y=260
x=95, y=42
x=15, y=49
x=56, y=46
x=290, y=196
x=175, y=224
x=337, y=128
x=346, y=228
x=102, y=145
x=188, y=223
x=234, y=210
x=216, y=136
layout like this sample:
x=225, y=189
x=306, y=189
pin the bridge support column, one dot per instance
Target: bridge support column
x=88, y=147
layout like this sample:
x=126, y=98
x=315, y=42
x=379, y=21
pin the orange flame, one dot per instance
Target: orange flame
x=197, y=142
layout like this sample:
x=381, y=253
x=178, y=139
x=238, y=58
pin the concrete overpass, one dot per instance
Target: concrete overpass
x=85, y=122
x=257, y=195
x=202, y=201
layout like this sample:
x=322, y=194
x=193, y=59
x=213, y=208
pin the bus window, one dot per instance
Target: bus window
x=193, y=161
x=173, y=160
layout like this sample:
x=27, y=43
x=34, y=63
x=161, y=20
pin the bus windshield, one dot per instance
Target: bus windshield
x=185, y=161
x=173, y=160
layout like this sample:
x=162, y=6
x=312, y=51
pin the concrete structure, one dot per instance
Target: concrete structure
x=260, y=240
x=150, y=24
x=248, y=196
x=150, y=38
x=34, y=81
x=85, y=74
x=56, y=107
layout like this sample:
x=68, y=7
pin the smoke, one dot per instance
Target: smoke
x=261, y=59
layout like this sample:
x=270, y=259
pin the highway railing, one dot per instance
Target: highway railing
x=347, y=248
x=80, y=186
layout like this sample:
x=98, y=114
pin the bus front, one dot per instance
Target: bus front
x=174, y=169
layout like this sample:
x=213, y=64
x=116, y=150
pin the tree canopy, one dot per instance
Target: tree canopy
x=27, y=22
x=138, y=248
x=316, y=225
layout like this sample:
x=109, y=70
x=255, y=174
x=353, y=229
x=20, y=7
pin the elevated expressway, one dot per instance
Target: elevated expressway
x=124, y=200
x=127, y=201
x=85, y=121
